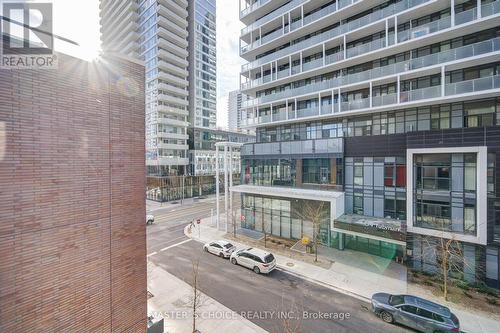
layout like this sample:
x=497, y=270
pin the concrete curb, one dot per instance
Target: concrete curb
x=323, y=284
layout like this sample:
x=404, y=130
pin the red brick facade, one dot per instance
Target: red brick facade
x=72, y=198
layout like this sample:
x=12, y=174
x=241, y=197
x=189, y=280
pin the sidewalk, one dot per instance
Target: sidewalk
x=171, y=298
x=348, y=277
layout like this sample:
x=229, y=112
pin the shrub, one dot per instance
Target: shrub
x=491, y=301
x=463, y=285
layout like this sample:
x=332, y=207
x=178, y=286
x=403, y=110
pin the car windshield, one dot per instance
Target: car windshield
x=269, y=258
x=228, y=245
x=396, y=300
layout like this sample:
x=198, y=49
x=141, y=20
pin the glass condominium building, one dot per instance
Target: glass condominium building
x=156, y=32
x=203, y=64
x=385, y=115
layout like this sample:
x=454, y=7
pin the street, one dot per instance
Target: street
x=254, y=295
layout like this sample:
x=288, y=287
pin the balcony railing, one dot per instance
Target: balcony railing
x=253, y=7
x=424, y=29
x=361, y=103
x=271, y=16
x=385, y=99
x=459, y=53
x=469, y=86
x=490, y=9
x=309, y=112
x=418, y=94
x=342, y=29
x=365, y=48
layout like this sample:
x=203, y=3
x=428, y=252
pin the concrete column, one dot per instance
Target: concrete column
x=345, y=49
x=479, y=14
x=324, y=55
x=443, y=80
x=371, y=94
x=217, y=184
x=398, y=87
x=452, y=6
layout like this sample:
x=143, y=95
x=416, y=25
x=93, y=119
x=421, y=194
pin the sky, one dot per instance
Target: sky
x=78, y=20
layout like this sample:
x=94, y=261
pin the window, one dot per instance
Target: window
x=424, y=313
x=358, y=174
x=409, y=309
x=358, y=204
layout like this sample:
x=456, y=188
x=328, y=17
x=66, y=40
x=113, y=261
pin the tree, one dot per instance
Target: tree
x=316, y=213
x=196, y=299
x=289, y=315
x=446, y=252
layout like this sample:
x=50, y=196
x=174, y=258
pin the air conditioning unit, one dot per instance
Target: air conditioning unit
x=419, y=32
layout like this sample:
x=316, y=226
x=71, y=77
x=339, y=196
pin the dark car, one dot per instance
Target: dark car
x=415, y=312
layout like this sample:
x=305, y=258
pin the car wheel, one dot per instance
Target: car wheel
x=386, y=316
x=221, y=255
x=256, y=270
x=233, y=261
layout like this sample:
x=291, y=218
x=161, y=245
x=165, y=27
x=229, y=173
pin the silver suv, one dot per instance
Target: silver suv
x=415, y=312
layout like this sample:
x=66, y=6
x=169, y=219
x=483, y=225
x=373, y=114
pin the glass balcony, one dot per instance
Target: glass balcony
x=462, y=52
x=356, y=104
x=264, y=119
x=269, y=17
x=469, y=86
x=327, y=108
x=310, y=88
x=271, y=36
x=312, y=64
x=490, y=9
x=465, y=16
x=385, y=99
x=309, y=112
x=320, y=13
x=365, y=48
x=280, y=115
x=335, y=57
x=253, y=7
x=418, y=94
x=355, y=24
x=424, y=29
x=458, y=53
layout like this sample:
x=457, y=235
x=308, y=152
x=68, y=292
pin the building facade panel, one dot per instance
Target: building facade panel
x=72, y=237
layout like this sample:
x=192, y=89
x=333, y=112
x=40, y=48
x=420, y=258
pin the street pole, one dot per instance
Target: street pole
x=230, y=187
x=226, y=187
x=217, y=184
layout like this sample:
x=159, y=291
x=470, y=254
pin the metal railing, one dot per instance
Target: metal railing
x=271, y=16
x=463, y=87
x=253, y=7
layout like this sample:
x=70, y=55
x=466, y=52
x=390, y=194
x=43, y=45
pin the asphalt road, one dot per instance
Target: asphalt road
x=255, y=295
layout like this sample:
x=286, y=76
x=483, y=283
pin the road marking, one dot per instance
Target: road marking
x=171, y=246
x=152, y=254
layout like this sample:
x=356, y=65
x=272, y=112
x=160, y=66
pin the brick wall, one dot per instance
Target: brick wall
x=72, y=201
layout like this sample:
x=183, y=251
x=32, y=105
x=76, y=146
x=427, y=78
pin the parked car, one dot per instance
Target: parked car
x=257, y=260
x=150, y=219
x=415, y=312
x=220, y=248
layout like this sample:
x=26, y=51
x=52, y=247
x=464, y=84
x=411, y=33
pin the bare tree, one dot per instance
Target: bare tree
x=314, y=212
x=196, y=299
x=446, y=252
x=290, y=316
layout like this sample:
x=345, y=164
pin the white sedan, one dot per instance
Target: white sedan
x=220, y=248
